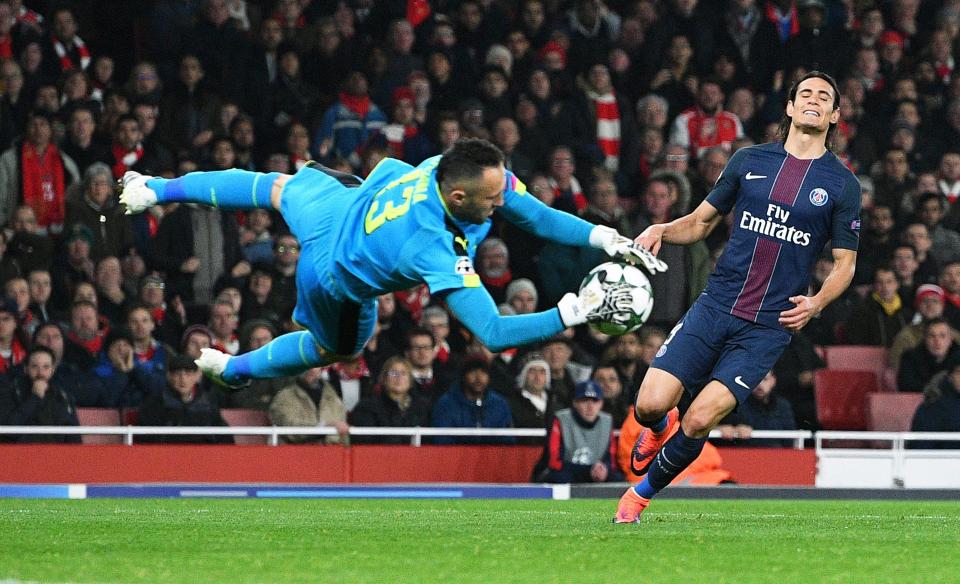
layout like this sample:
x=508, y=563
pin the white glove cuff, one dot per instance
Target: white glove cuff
x=571, y=313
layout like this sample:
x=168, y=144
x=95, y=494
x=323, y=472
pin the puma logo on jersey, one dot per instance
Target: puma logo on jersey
x=751, y=176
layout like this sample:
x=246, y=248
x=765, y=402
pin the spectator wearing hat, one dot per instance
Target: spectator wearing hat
x=34, y=398
x=940, y=410
x=126, y=380
x=816, y=46
x=195, y=338
x=933, y=355
x=36, y=172
x=182, y=402
x=521, y=295
x=310, y=401
x=471, y=403
x=74, y=266
x=13, y=341
x=395, y=405
x=580, y=446
x=929, y=303
x=531, y=404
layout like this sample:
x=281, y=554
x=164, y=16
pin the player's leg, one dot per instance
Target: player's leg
x=656, y=411
x=285, y=355
x=226, y=189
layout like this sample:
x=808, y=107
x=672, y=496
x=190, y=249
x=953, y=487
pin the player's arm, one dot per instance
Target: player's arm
x=475, y=309
x=690, y=228
x=839, y=278
x=845, y=239
x=697, y=225
x=530, y=214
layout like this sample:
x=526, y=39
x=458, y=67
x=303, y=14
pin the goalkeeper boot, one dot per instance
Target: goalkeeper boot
x=135, y=195
x=649, y=443
x=212, y=364
x=630, y=508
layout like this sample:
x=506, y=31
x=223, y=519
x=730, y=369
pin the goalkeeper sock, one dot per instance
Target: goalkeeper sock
x=227, y=189
x=285, y=355
x=677, y=454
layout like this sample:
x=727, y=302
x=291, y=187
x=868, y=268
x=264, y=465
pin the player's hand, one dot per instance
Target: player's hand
x=651, y=239
x=599, y=472
x=619, y=246
x=576, y=309
x=797, y=317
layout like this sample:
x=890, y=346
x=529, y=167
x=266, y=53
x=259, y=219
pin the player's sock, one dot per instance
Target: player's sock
x=227, y=189
x=287, y=354
x=657, y=426
x=676, y=455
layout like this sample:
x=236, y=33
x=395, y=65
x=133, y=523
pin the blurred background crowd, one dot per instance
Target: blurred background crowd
x=622, y=112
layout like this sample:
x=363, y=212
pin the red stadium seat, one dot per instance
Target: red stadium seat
x=841, y=398
x=243, y=417
x=891, y=412
x=99, y=417
x=859, y=358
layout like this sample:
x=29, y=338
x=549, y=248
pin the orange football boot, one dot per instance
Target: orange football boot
x=649, y=443
x=630, y=507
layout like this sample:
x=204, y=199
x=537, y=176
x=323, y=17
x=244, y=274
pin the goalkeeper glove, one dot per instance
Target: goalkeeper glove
x=617, y=245
x=594, y=303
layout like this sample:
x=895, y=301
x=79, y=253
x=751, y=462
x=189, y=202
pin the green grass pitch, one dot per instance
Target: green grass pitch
x=387, y=541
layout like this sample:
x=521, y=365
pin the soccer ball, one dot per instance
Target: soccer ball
x=627, y=315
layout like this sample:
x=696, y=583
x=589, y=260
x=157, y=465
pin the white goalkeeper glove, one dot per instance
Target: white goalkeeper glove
x=616, y=245
x=593, y=303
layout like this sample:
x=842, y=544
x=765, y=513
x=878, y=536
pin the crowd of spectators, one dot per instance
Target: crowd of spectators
x=623, y=112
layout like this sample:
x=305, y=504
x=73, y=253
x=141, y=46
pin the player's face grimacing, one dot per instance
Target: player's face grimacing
x=482, y=196
x=812, y=110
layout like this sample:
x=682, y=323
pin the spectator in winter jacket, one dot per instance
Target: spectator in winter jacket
x=934, y=354
x=183, y=402
x=396, y=405
x=471, y=403
x=310, y=401
x=35, y=399
x=127, y=380
x=940, y=410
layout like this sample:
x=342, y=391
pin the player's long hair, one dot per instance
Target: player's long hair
x=786, y=120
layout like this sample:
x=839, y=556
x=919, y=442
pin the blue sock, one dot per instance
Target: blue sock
x=657, y=426
x=677, y=454
x=227, y=189
x=287, y=354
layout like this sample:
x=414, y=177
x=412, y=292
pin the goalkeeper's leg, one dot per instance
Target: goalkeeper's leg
x=227, y=189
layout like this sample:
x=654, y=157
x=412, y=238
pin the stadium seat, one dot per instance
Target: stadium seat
x=857, y=358
x=891, y=412
x=245, y=417
x=99, y=417
x=841, y=398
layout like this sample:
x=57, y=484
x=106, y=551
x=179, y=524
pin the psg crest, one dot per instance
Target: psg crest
x=818, y=197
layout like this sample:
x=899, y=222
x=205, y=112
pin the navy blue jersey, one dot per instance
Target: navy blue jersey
x=785, y=210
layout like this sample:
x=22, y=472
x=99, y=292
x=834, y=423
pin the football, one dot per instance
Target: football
x=630, y=297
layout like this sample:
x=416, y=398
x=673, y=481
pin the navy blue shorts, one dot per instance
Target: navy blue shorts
x=710, y=344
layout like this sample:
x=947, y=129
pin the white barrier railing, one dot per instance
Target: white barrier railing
x=851, y=466
x=273, y=433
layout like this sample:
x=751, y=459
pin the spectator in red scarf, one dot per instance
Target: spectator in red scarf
x=35, y=172
x=85, y=327
x=64, y=50
x=606, y=116
x=127, y=148
x=402, y=136
x=349, y=122
x=568, y=194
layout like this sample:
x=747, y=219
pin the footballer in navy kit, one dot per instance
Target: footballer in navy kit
x=400, y=227
x=788, y=199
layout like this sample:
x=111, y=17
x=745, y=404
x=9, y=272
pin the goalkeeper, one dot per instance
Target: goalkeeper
x=400, y=227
